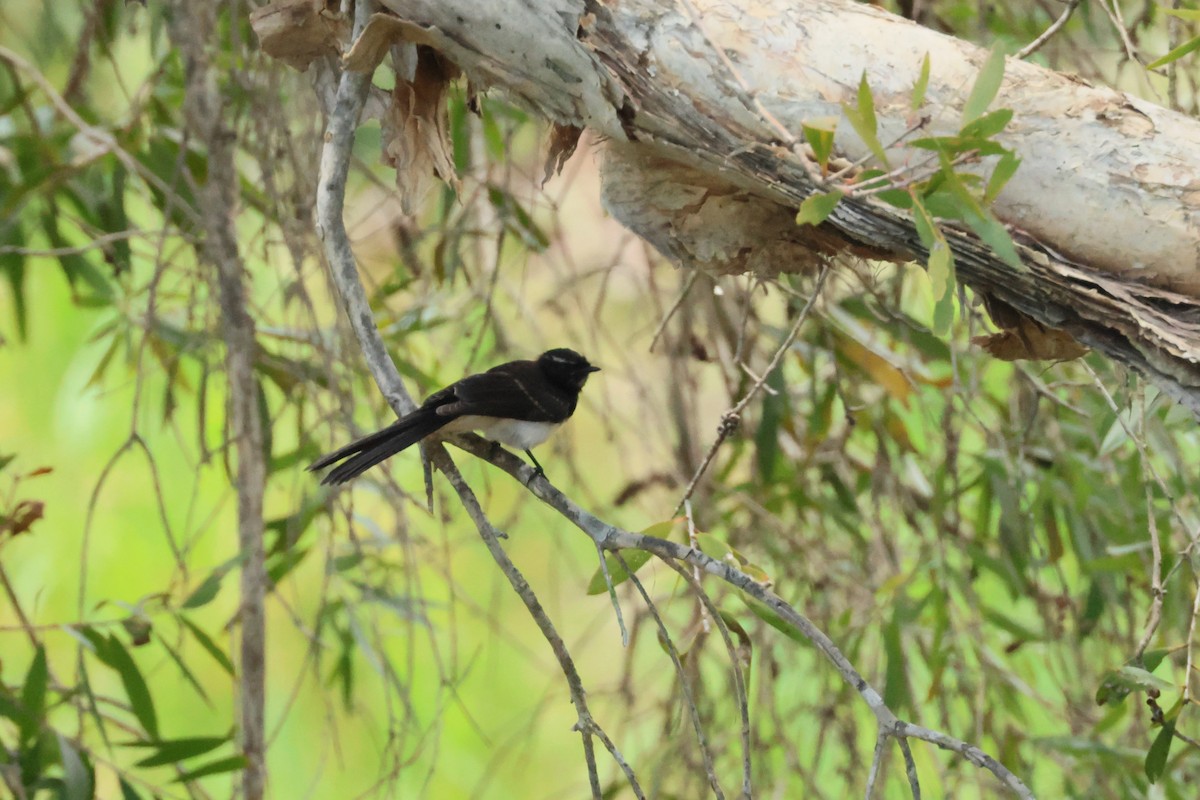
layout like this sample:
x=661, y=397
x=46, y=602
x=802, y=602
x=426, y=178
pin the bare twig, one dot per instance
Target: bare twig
x=739, y=678
x=1154, y=617
x=1048, y=34
x=684, y=685
x=731, y=418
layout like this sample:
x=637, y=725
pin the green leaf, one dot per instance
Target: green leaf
x=768, y=615
x=1176, y=54
x=127, y=791
x=12, y=267
x=988, y=125
x=78, y=778
x=941, y=270
x=206, y=591
x=896, y=692
x=817, y=207
x=175, y=750
x=819, y=134
x=210, y=586
x=1156, y=756
x=775, y=413
x=987, y=84
x=996, y=236
x=231, y=764
x=33, y=696
x=207, y=643
x=943, y=315
x=863, y=120
x=1005, y=168
x=1117, y=684
x=922, y=84
x=184, y=669
x=135, y=685
x=634, y=558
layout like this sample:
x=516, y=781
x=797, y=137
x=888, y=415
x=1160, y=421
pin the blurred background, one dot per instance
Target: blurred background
x=976, y=536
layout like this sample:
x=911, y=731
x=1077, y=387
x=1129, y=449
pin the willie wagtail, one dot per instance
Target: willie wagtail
x=518, y=404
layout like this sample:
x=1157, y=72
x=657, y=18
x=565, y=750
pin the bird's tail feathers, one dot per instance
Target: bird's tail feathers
x=359, y=456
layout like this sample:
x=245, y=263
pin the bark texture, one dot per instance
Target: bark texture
x=704, y=111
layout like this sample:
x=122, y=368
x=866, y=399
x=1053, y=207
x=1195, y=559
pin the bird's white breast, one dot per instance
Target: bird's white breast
x=517, y=433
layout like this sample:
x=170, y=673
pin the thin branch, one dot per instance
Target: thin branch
x=1154, y=617
x=1048, y=34
x=739, y=678
x=731, y=418
x=684, y=685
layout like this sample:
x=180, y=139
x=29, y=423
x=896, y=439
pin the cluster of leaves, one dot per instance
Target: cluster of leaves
x=947, y=193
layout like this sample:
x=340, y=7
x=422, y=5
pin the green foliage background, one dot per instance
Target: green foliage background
x=975, y=535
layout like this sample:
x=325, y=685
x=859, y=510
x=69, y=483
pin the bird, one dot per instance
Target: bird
x=518, y=403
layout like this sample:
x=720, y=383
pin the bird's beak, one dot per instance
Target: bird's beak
x=593, y=368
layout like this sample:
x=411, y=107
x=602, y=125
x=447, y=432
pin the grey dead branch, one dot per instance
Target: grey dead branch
x=703, y=160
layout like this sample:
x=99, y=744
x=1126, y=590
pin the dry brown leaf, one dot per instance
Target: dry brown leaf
x=1025, y=338
x=297, y=32
x=1032, y=342
x=416, y=130
x=563, y=141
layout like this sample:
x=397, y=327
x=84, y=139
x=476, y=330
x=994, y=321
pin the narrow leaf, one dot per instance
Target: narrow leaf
x=987, y=125
x=816, y=208
x=128, y=792
x=231, y=764
x=208, y=644
x=922, y=84
x=862, y=119
x=1176, y=54
x=987, y=84
x=634, y=558
x=33, y=696
x=1156, y=756
x=135, y=686
x=78, y=780
x=175, y=750
x=1005, y=168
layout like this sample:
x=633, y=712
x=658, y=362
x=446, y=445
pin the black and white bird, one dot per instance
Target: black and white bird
x=518, y=404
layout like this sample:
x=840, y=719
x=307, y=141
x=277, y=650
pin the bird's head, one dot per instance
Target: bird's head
x=566, y=367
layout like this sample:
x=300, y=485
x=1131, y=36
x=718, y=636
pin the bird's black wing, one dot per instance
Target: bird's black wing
x=516, y=390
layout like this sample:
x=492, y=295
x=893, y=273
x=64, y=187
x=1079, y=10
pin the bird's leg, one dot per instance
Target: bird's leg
x=538, y=472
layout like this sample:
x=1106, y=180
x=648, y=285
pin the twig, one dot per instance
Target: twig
x=1154, y=617
x=731, y=418
x=684, y=686
x=683, y=293
x=1191, y=647
x=739, y=678
x=612, y=595
x=1114, y=13
x=1055, y=27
